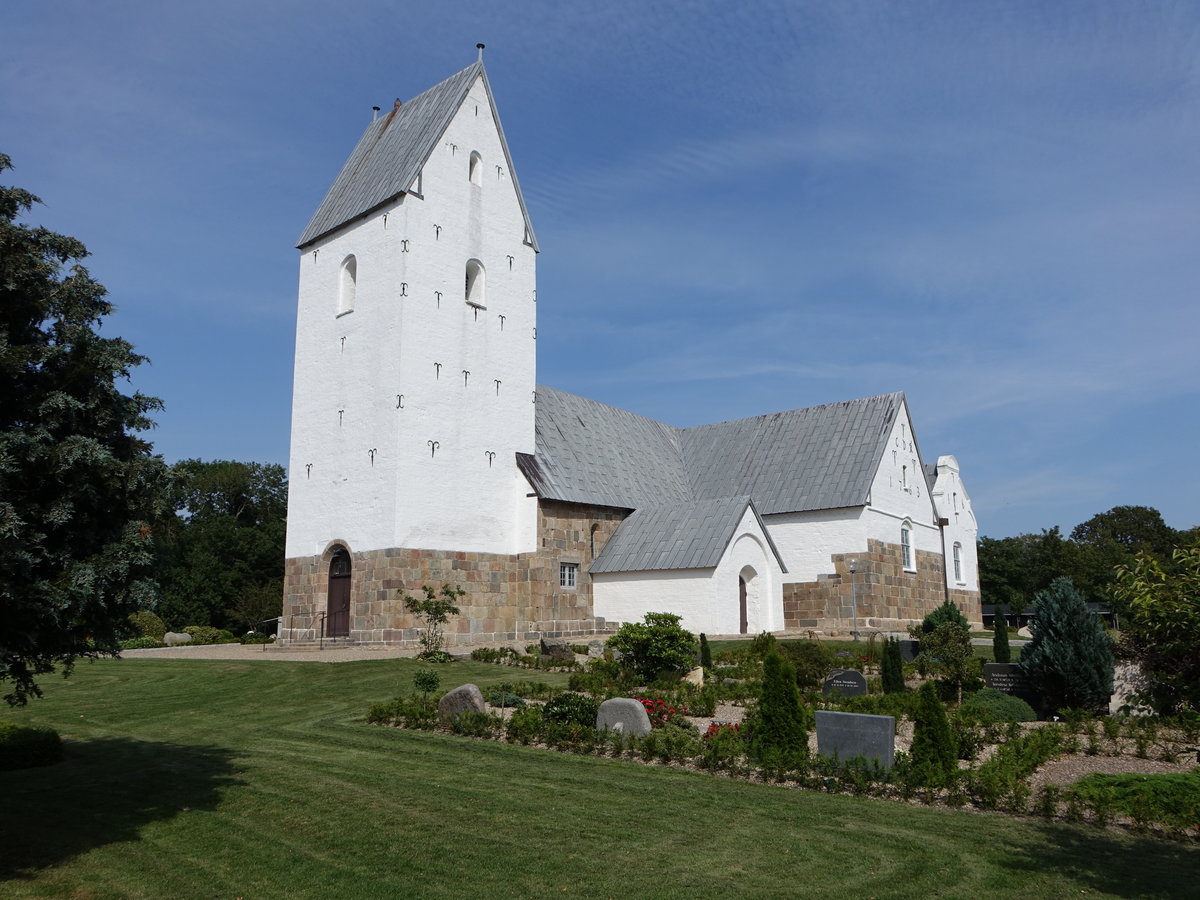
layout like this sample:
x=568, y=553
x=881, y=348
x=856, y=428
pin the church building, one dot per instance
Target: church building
x=423, y=450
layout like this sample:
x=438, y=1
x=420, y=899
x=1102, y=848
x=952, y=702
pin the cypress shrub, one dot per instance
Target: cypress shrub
x=893, y=667
x=705, y=653
x=779, y=738
x=1000, y=649
x=1070, y=661
x=934, y=750
x=23, y=747
x=946, y=614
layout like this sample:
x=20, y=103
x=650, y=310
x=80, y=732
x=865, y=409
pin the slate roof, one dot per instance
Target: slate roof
x=822, y=457
x=389, y=156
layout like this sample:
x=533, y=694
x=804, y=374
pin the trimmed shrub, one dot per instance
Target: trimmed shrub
x=1171, y=800
x=525, y=725
x=148, y=625
x=473, y=723
x=571, y=708
x=206, y=634
x=946, y=614
x=934, y=753
x=989, y=706
x=812, y=661
x=141, y=643
x=1001, y=651
x=504, y=700
x=762, y=644
x=1070, y=661
x=655, y=645
x=23, y=747
x=893, y=667
x=778, y=737
x=706, y=660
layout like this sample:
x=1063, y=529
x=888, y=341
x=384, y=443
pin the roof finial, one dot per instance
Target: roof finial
x=479, y=47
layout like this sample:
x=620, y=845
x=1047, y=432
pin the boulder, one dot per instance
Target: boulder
x=695, y=676
x=595, y=649
x=557, y=648
x=624, y=715
x=464, y=698
x=174, y=638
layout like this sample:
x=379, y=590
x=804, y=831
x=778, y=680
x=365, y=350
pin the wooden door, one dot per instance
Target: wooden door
x=337, y=619
x=744, y=622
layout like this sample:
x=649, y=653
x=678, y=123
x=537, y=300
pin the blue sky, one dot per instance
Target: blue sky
x=742, y=208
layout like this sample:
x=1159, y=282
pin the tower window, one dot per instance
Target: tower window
x=906, y=546
x=475, y=169
x=347, y=285
x=475, y=284
x=567, y=574
x=958, y=563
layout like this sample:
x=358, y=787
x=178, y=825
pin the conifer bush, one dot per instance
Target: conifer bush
x=893, y=667
x=934, y=750
x=706, y=660
x=1069, y=661
x=778, y=733
x=1001, y=651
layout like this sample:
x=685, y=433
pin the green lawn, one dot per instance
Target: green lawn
x=259, y=779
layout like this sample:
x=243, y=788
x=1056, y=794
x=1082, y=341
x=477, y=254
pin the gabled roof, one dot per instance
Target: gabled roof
x=822, y=457
x=691, y=535
x=389, y=156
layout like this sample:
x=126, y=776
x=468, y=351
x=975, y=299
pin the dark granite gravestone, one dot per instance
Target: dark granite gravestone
x=850, y=735
x=846, y=682
x=1009, y=679
x=909, y=650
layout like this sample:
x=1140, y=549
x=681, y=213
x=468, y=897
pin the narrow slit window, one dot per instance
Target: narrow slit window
x=347, y=285
x=476, y=284
x=475, y=168
x=906, y=546
x=958, y=563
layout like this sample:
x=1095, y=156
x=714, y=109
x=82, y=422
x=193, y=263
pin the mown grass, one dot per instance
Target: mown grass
x=191, y=778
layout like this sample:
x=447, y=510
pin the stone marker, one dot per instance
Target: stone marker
x=846, y=682
x=595, y=649
x=849, y=735
x=174, y=638
x=909, y=650
x=464, y=698
x=842, y=654
x=624, y=715
x=695, y=676
x=1009, y=679
x=557, y=648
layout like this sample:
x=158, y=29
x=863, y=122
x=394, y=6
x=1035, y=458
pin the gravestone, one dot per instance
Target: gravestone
x=1007, y=678
x=624, y=715
x=845, y=682
x=175, y=638
x=595, y=649
x=909, y=650
x=464, y=698
x=849, y=735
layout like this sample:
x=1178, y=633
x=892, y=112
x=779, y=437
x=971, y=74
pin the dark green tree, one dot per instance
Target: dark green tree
x=945, y=614
x=80, y=489
x=705, y=653
x=1069, y=661
x=221, y=562
x=778, y=732
x=812, y=660
x=655, y=645
x=1001, y=651
x=934, y=750
x=893, y=667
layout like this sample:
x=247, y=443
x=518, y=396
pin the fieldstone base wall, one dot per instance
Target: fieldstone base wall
x=509, y=598
x=886, y=596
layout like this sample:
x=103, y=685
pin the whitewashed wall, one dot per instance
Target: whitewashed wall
x=899, y=492
x=808, y=540
x=707, y=599
x=954, y=504
x=360, y=362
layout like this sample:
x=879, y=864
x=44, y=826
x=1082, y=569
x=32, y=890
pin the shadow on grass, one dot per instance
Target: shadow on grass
x=1123, y=865
x=103, y=792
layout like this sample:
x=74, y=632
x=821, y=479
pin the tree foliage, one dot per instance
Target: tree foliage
x=946, y=653
x=1001, y=651
x=946, y=614
x=892, y=675
x=221, y=562
x=1069, y=662
x=434, y=610
x=934, y=750
x=655, y=645
x=79, y=488
x=1160, y=609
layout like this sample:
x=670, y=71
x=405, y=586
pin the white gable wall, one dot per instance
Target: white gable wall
x=454, y=496
x=899, y=493
x=707, y=599
x=953, y=504
x=808, y=540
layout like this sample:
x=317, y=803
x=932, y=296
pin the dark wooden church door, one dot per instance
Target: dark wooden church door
x=337, y=620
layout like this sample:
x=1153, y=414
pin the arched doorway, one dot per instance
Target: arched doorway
x=337, y=617
x=747, y=598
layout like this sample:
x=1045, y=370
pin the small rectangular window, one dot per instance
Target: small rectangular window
x=567, y=574
x=906, y=548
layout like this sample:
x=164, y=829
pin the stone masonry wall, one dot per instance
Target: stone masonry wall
x=509, y=597
x=887, y=597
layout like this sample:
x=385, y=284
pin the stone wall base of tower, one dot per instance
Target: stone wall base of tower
x=883, y=596
x=508, y=597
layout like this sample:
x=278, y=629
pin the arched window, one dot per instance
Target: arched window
x=958, y=562
x=347, y=285
x=906, y=545
x=475, y=283
x=475, y=169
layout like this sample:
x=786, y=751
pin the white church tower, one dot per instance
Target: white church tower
x=415, y=362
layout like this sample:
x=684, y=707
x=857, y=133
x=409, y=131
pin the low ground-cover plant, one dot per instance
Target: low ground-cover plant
x=1171, y=801
x=990, y=705
x=206, y=634
x=141, y=643
x=570, y=707
x=257, y=637
x=504, y=699
x=23, y=747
